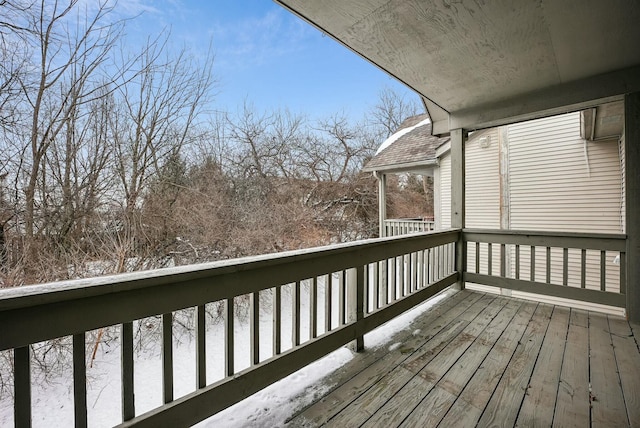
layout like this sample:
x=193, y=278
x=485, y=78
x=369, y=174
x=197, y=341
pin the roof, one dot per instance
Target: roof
x=410, y=148
x=483, y=64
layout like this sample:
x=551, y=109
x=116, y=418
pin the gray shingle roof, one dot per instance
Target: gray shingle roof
x=413, y=150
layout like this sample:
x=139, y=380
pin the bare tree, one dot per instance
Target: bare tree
x=391, y=110
x=61, y=81
x=14, y=55
x=160, y=111
x=159, y=114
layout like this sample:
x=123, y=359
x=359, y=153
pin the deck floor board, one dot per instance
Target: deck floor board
x=540, y=398
x=481, y=359
x=393, y=412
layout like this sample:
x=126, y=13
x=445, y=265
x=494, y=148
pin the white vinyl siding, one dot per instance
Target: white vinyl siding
x=482, y=180
x=482, y=190
x=559, y=182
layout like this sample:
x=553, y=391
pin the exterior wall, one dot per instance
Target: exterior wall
x=482, y=180
x=559, y=182
x=482, y=188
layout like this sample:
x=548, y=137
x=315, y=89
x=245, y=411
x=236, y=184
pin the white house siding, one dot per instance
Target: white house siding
x=559, y=182
x=482, y=183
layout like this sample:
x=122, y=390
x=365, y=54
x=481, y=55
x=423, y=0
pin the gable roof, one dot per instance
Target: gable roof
x=411, y=148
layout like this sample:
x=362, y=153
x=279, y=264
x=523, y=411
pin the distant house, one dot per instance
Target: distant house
x=562, y=173
x=411, y=149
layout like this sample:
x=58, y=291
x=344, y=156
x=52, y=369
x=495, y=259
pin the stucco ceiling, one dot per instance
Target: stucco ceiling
x=482, y=63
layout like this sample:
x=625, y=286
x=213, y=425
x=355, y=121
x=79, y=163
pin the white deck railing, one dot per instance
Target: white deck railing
x=396, y=227
x=374, y=281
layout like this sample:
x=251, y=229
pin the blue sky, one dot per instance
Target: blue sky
x=266, y=55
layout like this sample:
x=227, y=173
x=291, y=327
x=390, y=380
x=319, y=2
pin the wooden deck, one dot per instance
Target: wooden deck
x=486, y=360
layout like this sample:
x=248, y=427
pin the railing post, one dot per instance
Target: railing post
x=355, y=302
x=128, y=401
x=458, y=137
x=79, y=380
x=22, y=386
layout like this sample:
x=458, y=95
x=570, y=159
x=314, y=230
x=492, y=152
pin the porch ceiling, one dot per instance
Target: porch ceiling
x=479, y=64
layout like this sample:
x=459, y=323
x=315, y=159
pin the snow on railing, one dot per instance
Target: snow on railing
x=348, y=289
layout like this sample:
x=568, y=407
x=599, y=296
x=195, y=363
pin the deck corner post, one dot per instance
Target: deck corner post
x=355, y=303
x=632, y=202
x=458, y=137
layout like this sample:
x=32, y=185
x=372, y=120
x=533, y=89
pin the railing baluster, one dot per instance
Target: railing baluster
x=313, y=308
x=452, y=251
x=548, y=265
x=167, y=357
x=376, y=285
x=503, y=260
x=341, y=300
x=295, y=312
x=79, y=380
x=402, y=279
x=623, y=273
x=367, y=291
x=414, y=273
x=384, y=280
x=355, y=283
x=477, y=257
x=421, y=282
x=22, y=386
x=359, y=305
x=254, y=327
x=328, y=291
x=445, y=259
x=277, y=320
x=533, y=263
x=436, y=263
x=517, y=261
x=603, y=270
x=565, y=266
x=409, y=274
x=489, y=259
x=201, y=349
x=394, y=279
x=428, y=267
x=128, y=404
x=583, y=268
x=229, y=346
x=452, y=258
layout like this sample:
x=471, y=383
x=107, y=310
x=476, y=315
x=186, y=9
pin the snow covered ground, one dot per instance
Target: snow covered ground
x=52, y=401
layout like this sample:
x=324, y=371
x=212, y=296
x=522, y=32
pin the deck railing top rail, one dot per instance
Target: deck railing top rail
x=371, y=281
